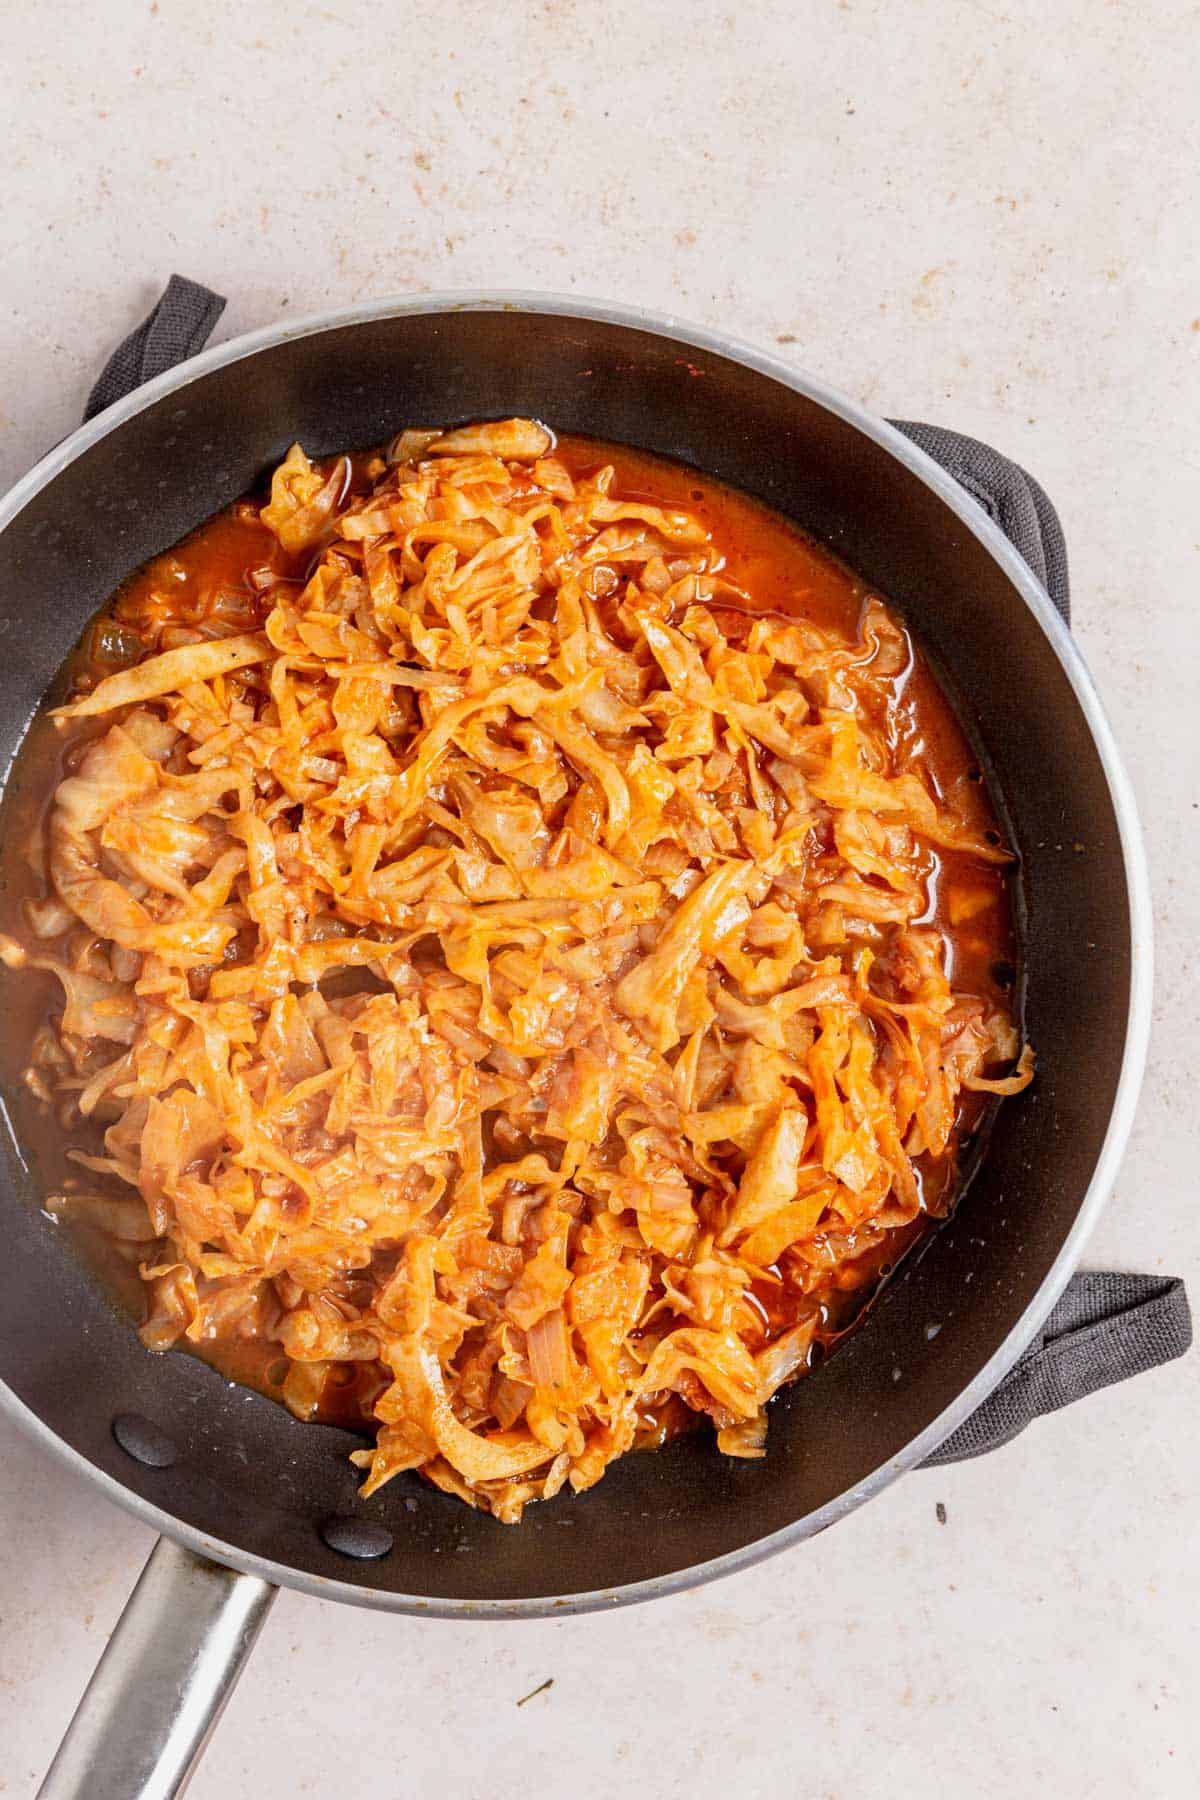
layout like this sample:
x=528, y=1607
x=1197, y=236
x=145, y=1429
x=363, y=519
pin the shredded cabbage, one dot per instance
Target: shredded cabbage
x=507, y=965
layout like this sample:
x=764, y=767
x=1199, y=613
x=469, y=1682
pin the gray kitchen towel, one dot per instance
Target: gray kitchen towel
x=1105, y=1327
x=179, y=324
x=1012, y=499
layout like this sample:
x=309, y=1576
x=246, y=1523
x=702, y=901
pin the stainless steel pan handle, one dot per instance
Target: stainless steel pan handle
x=161, y=1685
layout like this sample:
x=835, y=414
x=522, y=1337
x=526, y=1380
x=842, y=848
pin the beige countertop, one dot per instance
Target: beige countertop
x=982, y=215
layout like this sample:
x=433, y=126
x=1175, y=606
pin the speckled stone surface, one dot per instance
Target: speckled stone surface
x=983, y=215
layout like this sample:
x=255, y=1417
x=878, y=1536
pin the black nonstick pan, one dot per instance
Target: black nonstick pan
x=233, y=1481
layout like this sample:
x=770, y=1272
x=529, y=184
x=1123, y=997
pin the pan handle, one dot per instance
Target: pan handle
x=161, y=1685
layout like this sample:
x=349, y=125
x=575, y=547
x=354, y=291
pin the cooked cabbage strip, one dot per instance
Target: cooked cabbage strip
x=169, y=673
x=494, y=968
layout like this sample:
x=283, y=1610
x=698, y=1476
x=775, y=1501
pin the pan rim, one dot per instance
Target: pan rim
x=1137, y=1031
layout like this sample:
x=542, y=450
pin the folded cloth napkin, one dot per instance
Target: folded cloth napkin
x=1106, y=1327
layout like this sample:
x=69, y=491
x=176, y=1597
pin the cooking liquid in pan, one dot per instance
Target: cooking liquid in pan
x=968, y=901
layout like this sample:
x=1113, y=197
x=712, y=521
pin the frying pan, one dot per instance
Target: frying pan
x=246, y=1498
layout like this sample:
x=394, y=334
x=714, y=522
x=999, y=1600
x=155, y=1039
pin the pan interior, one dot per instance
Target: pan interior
x=246, y=1475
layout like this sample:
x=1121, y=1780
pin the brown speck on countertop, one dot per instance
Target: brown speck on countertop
x=940, y=1511
x=926, y=298
x=534, y=1692
x=786, y=337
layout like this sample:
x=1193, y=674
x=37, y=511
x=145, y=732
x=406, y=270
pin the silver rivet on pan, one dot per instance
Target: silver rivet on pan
x=357, y=1537
x=145, y=1442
